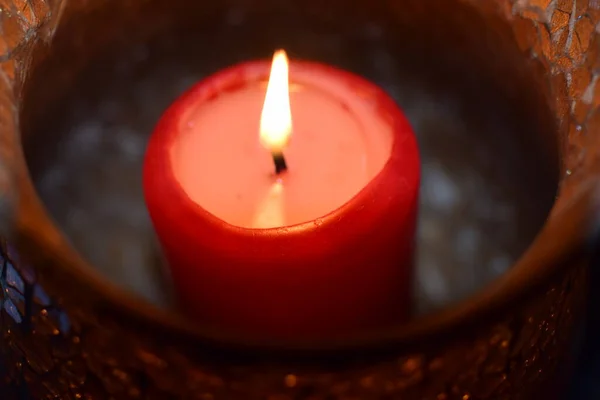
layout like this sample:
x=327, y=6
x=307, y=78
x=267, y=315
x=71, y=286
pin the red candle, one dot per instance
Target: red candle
x=286, y=206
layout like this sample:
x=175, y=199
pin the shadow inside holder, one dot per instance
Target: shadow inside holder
x=486, y=133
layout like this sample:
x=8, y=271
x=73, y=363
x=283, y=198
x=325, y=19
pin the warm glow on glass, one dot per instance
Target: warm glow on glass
x=276, y=117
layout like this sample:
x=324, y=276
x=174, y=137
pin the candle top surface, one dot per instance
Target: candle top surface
x=339, y=143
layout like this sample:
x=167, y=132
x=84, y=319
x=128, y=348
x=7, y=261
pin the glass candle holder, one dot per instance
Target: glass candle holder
x=504, y=88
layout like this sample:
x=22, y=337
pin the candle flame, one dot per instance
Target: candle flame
x=276, y=117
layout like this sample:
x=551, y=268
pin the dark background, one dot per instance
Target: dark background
x=586, y=380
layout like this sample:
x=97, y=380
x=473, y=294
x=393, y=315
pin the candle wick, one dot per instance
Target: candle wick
x=280, y=165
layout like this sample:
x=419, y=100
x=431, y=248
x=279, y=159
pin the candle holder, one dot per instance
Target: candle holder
x=70, y=331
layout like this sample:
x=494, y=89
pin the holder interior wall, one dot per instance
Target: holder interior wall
x=68, y=334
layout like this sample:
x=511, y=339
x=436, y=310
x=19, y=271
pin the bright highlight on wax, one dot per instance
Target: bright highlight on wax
x=276, y=116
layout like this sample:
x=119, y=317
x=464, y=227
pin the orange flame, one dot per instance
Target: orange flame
x=276, y=116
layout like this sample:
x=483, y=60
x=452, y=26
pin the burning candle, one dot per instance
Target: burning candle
x=285, y=199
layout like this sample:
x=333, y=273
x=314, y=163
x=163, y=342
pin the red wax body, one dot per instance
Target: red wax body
x=351, y=271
